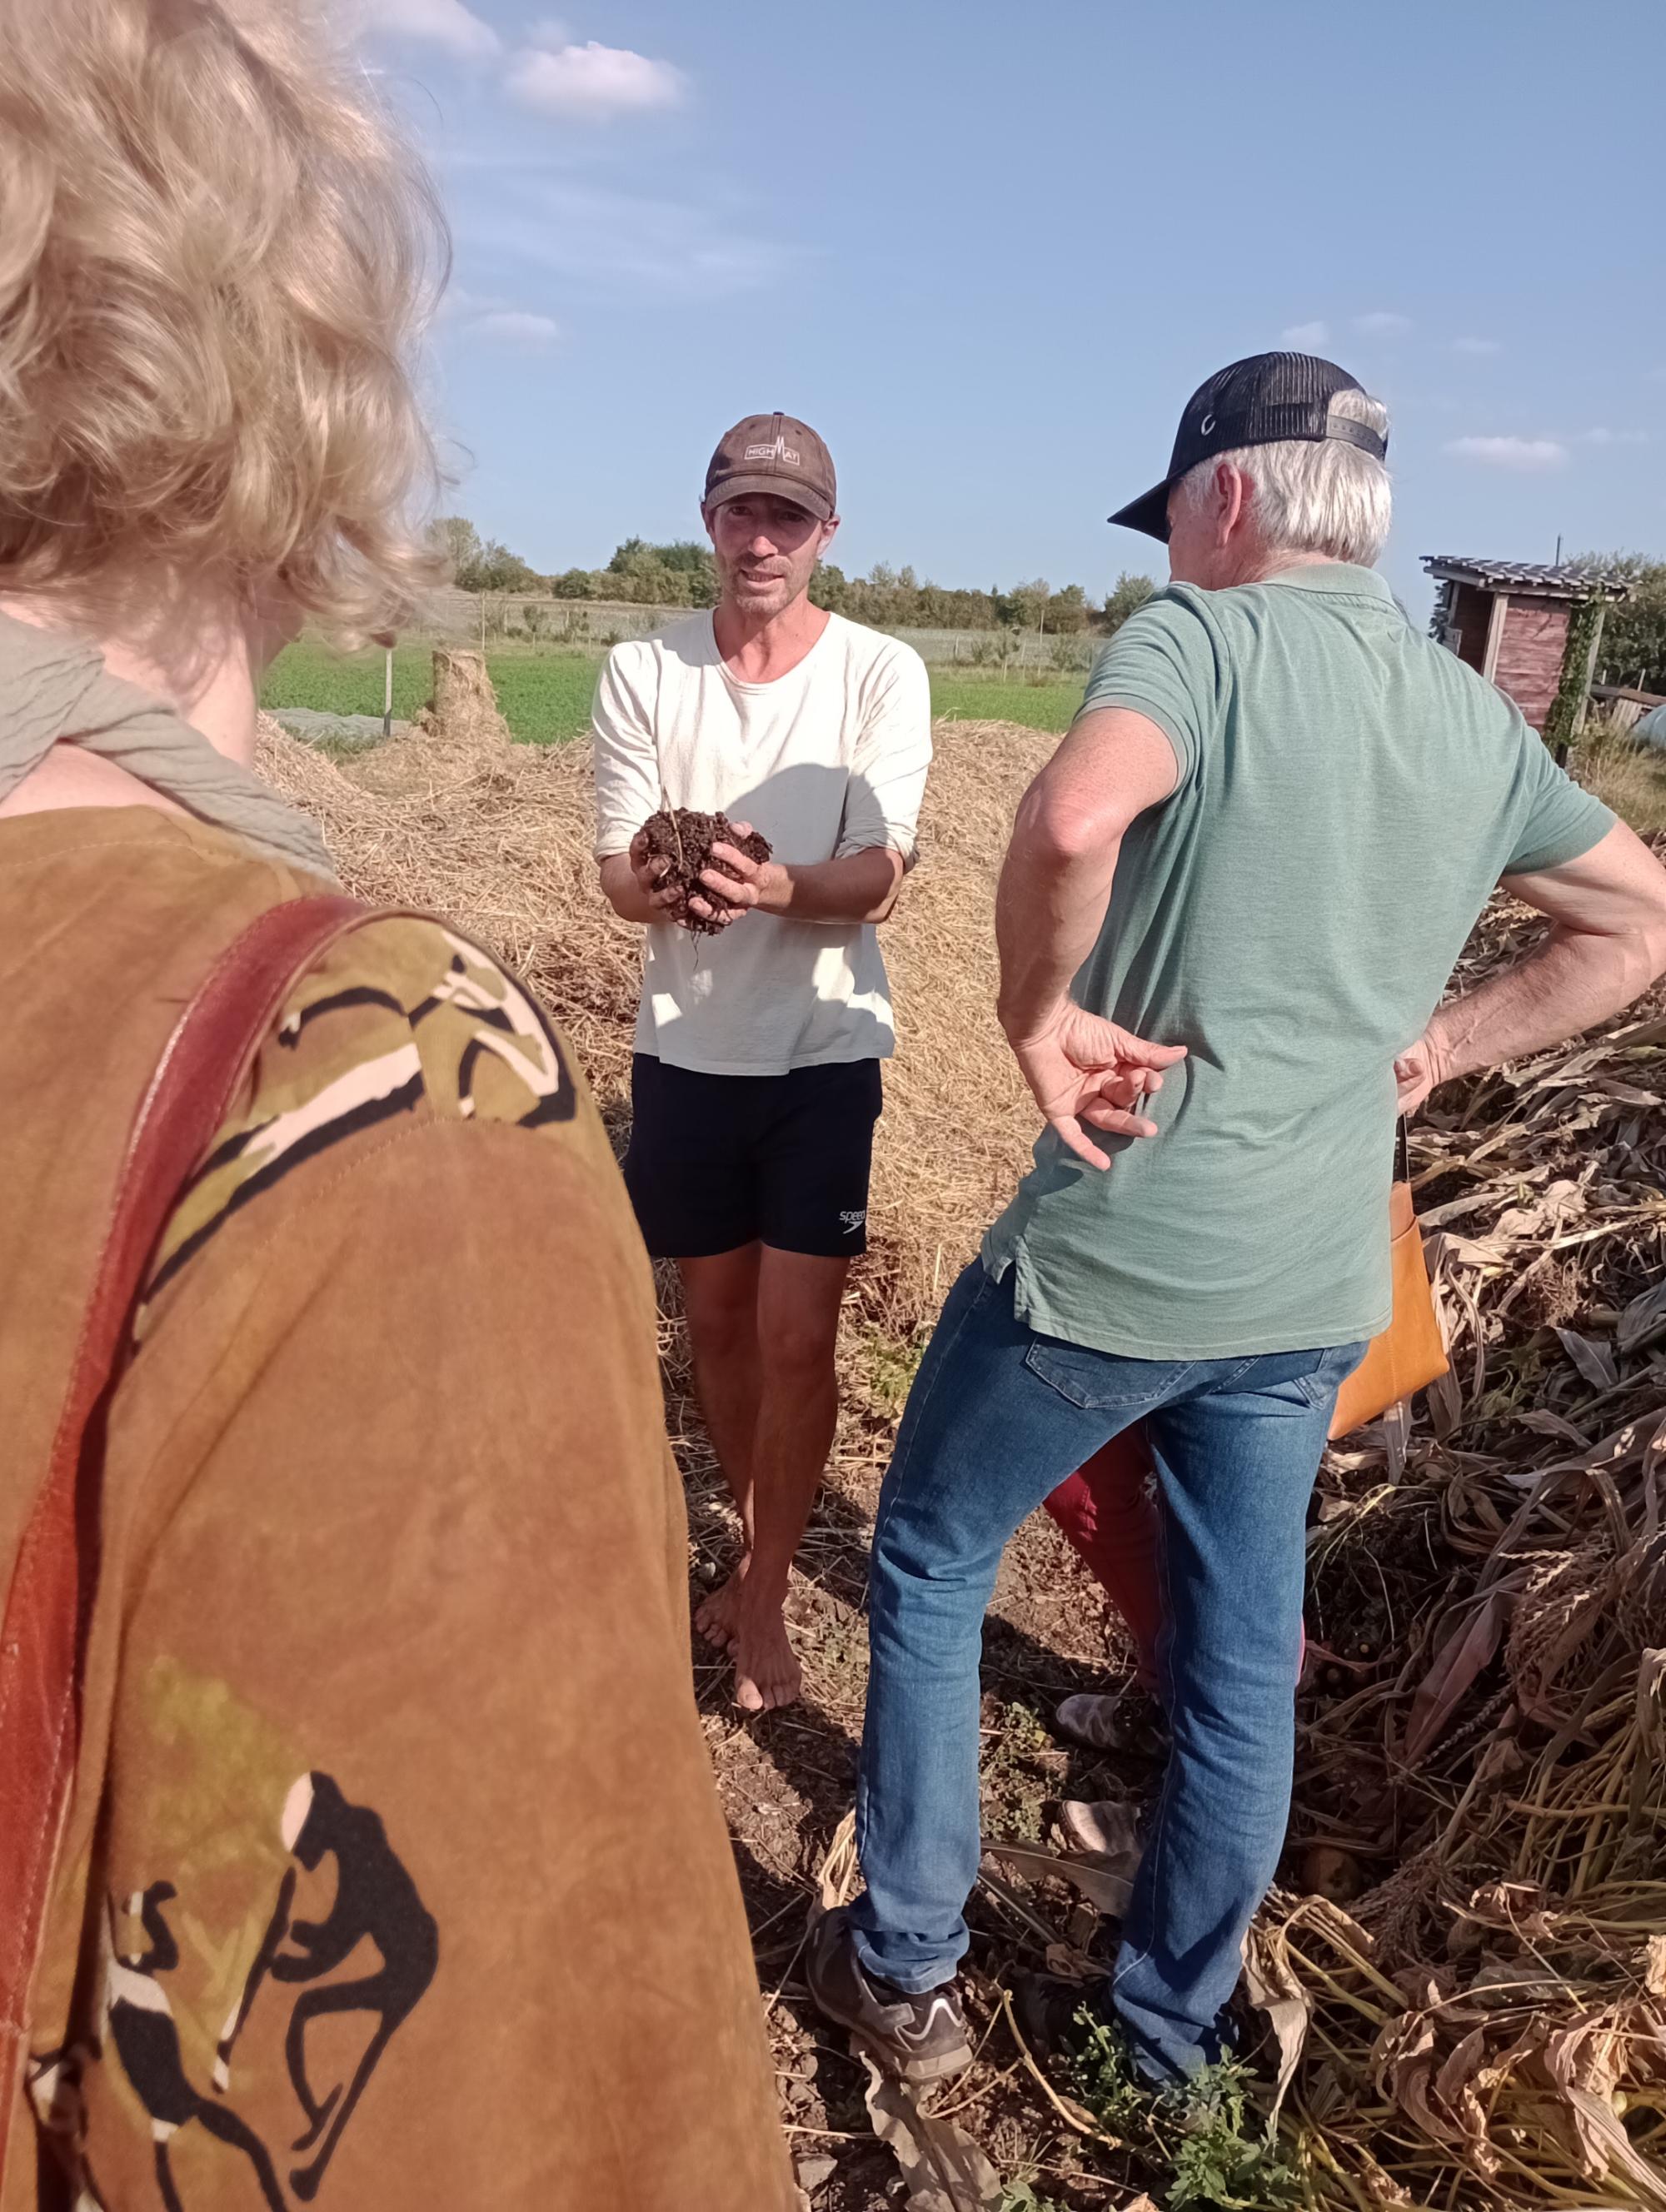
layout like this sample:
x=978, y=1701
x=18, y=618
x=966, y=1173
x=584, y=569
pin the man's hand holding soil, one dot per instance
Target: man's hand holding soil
x=862, y=887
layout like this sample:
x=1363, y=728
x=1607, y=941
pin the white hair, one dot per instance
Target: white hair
x=1314, y=494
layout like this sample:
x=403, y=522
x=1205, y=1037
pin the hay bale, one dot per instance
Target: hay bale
x=462, y=712
x=498, y=838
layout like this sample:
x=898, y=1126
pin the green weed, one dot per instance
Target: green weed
x=893, y=1364
x=1023, y=1767
x=1205, y=2134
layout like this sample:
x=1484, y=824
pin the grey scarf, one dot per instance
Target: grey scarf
x=55, y=687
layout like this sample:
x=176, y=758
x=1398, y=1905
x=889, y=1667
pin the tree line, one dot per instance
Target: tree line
x=682, y=575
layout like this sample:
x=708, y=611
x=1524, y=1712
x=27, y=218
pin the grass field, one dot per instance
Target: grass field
x=1630, y=778
x=545, y=696
x=964, y=698
x=545, y=693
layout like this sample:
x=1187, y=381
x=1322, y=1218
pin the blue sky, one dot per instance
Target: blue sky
x=988, y=251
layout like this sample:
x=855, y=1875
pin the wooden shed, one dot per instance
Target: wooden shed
x=1510, y=621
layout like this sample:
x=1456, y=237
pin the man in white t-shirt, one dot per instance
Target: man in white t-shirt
x=757, y=1081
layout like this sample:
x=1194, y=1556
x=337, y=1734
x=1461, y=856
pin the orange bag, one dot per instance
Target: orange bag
x=1411, y=1353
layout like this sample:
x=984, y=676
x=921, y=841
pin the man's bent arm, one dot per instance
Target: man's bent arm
x=1608, y=945
x=861, y=887
x=1056, y=883
x=857, y=887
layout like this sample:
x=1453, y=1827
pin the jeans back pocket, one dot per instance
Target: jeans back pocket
x=1102, y=1382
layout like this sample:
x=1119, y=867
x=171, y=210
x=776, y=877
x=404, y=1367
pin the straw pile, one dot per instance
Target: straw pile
x=1467, y=1975
x=498, y=838
x=1488, y=2021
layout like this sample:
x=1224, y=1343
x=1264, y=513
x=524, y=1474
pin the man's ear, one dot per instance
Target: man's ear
x=706, y=514
x=829, y=532
x=1233, y=491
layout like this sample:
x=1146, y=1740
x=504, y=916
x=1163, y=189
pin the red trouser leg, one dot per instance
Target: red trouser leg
x=1107, y=1512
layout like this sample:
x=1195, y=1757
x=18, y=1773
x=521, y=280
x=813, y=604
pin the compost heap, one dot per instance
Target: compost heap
x=1467, y=1986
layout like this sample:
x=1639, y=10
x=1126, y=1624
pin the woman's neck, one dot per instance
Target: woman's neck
x=192, y=647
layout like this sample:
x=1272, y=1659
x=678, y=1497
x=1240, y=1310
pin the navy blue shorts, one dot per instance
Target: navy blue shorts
x=717, y=1161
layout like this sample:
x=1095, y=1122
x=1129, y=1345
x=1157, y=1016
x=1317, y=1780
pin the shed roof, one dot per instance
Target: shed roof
x=1534, y=578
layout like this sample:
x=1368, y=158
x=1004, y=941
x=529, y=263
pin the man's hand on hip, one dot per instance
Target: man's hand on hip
x=1420, y=1069
x=1086, y=1073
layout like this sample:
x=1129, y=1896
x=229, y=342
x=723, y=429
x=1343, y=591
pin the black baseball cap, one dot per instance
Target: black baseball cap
x=1258, y=401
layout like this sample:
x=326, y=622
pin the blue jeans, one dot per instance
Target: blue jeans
x=997, y=1419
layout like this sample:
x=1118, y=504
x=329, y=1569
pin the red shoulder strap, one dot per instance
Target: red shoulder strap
x=48, y=1603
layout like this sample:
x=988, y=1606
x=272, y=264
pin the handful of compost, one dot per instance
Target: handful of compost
x=681, y=841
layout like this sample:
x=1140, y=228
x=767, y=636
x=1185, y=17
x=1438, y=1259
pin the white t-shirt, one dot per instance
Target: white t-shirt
x=828, y=760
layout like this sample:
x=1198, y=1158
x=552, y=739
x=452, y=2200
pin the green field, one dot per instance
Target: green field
x=545, y=696
x=546, y=693
x=1049, y=706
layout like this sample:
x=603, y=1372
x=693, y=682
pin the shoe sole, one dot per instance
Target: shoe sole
x=918, y=2073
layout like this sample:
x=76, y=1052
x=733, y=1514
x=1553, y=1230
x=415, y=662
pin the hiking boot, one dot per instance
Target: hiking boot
x=916, y=2039
x=1048, y=2009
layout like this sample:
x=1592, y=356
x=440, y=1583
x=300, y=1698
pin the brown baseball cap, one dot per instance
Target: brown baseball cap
x=774, y=457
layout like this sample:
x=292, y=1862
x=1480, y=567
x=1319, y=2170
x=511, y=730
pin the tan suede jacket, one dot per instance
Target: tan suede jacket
x=395, y=1876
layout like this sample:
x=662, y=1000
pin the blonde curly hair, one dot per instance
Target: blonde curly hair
x=215, y=252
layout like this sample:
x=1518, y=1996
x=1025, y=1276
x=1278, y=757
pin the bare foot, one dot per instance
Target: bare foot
x=719, y=1619
x=766, y=1674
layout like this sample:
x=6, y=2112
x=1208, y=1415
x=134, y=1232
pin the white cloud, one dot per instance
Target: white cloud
x=1381, y=322
x=516, y=327
x=594, y=80
x=445, y=23
x=1304, y=336
x=490, y=315
x=1613, y=437
x=1522, y=454
x=611, y=244
x=1476, y=346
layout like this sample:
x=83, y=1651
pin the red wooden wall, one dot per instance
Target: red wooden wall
x=1529, y=663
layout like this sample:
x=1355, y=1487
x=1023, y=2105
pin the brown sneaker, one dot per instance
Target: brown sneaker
x=916, y=2039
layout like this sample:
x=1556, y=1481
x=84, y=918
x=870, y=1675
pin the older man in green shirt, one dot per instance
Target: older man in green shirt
x=1232, y=904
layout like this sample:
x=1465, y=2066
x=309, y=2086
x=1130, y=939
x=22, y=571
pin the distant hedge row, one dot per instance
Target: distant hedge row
x=681, y=574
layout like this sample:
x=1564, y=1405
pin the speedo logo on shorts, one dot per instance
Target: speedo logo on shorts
x=850, y=1223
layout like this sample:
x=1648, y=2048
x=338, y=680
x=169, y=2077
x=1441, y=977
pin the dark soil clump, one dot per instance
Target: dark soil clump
x=683, y=841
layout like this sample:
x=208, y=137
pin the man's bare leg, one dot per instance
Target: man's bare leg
x=799, y=1297
x=721, y=1300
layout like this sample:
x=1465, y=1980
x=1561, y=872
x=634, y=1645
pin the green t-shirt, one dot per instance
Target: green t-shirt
x=1349, y=793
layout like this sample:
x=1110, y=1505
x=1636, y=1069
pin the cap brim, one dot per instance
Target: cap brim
x=788, y=487
x=1149, y=513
